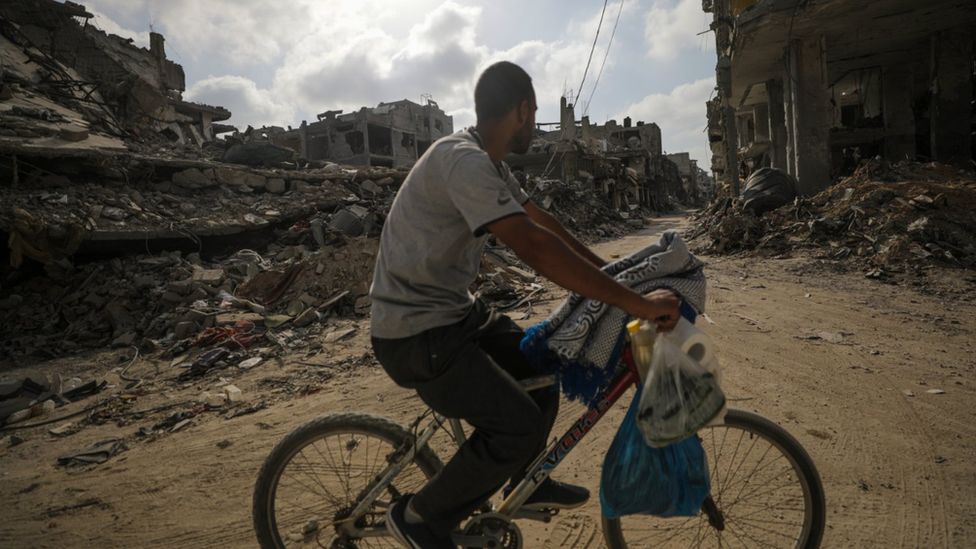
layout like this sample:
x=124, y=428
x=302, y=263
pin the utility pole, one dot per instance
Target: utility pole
x=722, y=26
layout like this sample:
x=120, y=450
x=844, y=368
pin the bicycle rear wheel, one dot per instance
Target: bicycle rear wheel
x=765, y=492
x=315, y=475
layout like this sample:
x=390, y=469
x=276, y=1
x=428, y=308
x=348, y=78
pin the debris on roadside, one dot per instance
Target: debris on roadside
x=100, y=452
x=886, y=218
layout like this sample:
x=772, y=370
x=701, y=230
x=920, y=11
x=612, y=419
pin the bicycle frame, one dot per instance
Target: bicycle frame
x=546, y=463
x=539, y=471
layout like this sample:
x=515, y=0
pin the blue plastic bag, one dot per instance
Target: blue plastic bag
x=638, y=479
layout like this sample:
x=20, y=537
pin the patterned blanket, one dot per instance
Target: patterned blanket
x=583, y=339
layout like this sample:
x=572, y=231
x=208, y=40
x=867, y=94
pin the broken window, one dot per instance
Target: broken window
x=407, y=141
x=858, y=98
x=355, y=141
x=439, y=125
x=380, y=140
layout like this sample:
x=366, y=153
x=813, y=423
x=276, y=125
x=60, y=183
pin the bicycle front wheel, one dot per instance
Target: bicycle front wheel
x=317, y=474
x=765, y=492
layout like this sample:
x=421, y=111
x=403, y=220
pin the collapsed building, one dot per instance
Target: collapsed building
x=853, y=123
x=391, y=134
x=623, y=163
x=811, y=87
x=131, y=218
x=698, y=184
x=141, y=89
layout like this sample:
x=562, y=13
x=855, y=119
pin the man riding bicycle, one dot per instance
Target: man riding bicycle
x=463, y=359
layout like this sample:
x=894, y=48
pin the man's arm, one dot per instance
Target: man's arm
x=553, y=258
x=543, y=218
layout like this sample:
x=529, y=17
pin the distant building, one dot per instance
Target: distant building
x=694, y=179
x=390, y=134
x=624, y=161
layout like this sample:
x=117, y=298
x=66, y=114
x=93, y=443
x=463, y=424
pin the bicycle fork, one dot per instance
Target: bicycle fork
x=398, y=461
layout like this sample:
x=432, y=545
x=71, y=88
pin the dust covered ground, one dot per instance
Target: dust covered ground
x=842, y=362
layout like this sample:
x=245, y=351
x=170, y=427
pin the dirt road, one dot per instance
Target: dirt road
x=896, y=461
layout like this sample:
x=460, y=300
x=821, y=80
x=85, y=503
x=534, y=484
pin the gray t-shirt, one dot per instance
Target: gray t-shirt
x=434, y=236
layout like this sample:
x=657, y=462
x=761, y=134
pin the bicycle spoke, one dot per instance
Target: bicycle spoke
x=756, y=486
x=767, y=530
x=311, y=470
x=738, y=444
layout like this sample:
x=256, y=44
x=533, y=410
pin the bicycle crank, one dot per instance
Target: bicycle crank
x=490, y=531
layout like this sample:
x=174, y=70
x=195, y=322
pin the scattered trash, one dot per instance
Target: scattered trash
x=64, y=429
x=935, y=392
x=250, y=363
x=99, y=452
x=243, y=411
x=180, y=425
x=336, y=335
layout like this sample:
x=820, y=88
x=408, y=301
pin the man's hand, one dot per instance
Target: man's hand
x=554, y=259
x=660, y=307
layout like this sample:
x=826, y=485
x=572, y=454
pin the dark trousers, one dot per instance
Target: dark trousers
x=470, y=370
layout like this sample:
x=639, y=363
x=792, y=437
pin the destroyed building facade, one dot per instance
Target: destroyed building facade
x=393, y=134
x=141, y=86
x=811, y=87
x=697, y=183
x=624, y=163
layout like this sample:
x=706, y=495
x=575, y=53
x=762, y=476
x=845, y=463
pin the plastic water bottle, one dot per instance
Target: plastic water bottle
x=642, y=335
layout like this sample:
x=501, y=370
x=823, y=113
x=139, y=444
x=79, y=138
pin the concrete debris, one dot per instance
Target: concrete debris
x=257, y=154
x=582, y=209
x=885, y=218
x=337, y=335
x=233, y=394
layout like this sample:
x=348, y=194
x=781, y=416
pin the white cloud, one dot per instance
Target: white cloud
x=248, y=104
x=107, y=24
x=277, y=63
x=364, y=65
x=681, y=116
x=350, y=62
x=670, y=28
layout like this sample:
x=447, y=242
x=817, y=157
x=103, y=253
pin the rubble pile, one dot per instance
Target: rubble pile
x=885, y=218
x=155, y=301
x=583, y=210
x=55, y=217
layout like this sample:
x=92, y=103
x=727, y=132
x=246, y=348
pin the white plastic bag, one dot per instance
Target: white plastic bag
x=679, y=396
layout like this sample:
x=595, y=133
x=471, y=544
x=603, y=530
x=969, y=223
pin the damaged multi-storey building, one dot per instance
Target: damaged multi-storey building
x=697, y=182
x=391, y=134
x=624, y=162
x=813, y=86
x=141, y=88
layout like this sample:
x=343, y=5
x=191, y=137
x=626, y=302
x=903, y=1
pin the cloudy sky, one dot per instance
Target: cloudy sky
x=278, y=63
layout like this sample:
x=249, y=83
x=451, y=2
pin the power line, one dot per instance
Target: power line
x=592, y=48
x=613, y=32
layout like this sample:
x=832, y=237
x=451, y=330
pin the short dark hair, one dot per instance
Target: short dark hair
x=501, y=88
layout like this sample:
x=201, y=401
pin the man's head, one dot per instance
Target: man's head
x=504, y=99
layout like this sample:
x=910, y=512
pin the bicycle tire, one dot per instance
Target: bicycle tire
x=263, y=504
x=814, y=501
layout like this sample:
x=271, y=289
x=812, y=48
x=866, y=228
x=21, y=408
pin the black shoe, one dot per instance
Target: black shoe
x=552, y=494
x=414, y=536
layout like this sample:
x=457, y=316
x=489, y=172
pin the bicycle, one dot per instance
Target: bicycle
x=758, y=509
